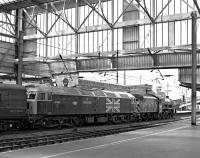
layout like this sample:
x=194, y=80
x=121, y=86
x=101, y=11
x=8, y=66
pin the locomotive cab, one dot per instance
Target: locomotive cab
x=32, y=102
x=38, y=99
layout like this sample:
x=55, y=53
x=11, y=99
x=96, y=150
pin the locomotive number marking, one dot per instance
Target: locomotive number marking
x=87, y=102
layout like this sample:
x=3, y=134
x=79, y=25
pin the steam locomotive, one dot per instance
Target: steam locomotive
x=32, y=106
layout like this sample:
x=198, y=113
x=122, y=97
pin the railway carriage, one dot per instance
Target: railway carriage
x=12, y=106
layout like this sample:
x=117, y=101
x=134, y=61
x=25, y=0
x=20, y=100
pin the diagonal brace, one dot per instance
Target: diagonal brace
x=196, y=4
x=94, y=9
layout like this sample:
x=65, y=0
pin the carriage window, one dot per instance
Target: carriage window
x=41, y=96
x=49, y=96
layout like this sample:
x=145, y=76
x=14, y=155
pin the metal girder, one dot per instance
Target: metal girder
x=64, y=18
x=197, y=5
x=86, y=18
x=146, y=11
x=7, y=7
x=7, y=35
x=191, y=7
x=185, y=75
x=7, y=29
x=94, y=9
x=35, y=23
x=10, y=23
x=162, y=10
x=135, y=62
x=122, y=13
x=6, y=26
x=189, y=85
x=167, y=18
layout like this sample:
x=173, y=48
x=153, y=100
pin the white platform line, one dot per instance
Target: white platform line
x=113, y=143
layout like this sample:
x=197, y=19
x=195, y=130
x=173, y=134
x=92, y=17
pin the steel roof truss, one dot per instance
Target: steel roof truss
x=62, y=17
x=191, y=7
x=122, y=13
x=86, y=17
x=162, y=10
x=54, y=23
x=35, y=23
x=196, y=4
x=13, y=28
x=102, y=16
x=146, y=11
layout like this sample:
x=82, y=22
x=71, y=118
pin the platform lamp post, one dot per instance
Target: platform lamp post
x=194, y=66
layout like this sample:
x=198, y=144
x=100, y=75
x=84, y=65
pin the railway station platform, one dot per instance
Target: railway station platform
x=175, y=140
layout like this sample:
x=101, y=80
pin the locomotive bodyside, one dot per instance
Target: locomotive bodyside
x=74, y=104
x=119, y=102
x=62, y=100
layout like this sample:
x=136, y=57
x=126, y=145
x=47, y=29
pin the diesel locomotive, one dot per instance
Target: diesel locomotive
x=44, y=106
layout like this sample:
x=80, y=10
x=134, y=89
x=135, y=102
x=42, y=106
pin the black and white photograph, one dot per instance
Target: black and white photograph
x=99, y=78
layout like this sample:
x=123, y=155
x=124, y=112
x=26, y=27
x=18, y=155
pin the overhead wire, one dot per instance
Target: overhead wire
x=142, y=79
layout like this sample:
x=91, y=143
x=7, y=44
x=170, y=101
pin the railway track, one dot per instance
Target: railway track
x=60, y=136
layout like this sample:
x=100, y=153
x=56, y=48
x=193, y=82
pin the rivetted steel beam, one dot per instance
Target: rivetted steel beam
x=185, y=75
x=139, y=62
x=135, y=62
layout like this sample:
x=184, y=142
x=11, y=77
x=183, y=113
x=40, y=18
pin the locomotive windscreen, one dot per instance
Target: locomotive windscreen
x=31, y=95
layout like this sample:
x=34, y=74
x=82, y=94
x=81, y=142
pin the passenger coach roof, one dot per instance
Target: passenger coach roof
x=11, y=86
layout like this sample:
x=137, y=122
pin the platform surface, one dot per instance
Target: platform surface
x=175, y=140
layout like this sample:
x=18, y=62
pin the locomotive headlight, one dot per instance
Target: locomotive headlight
x=10, y=125
x=75, y=103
